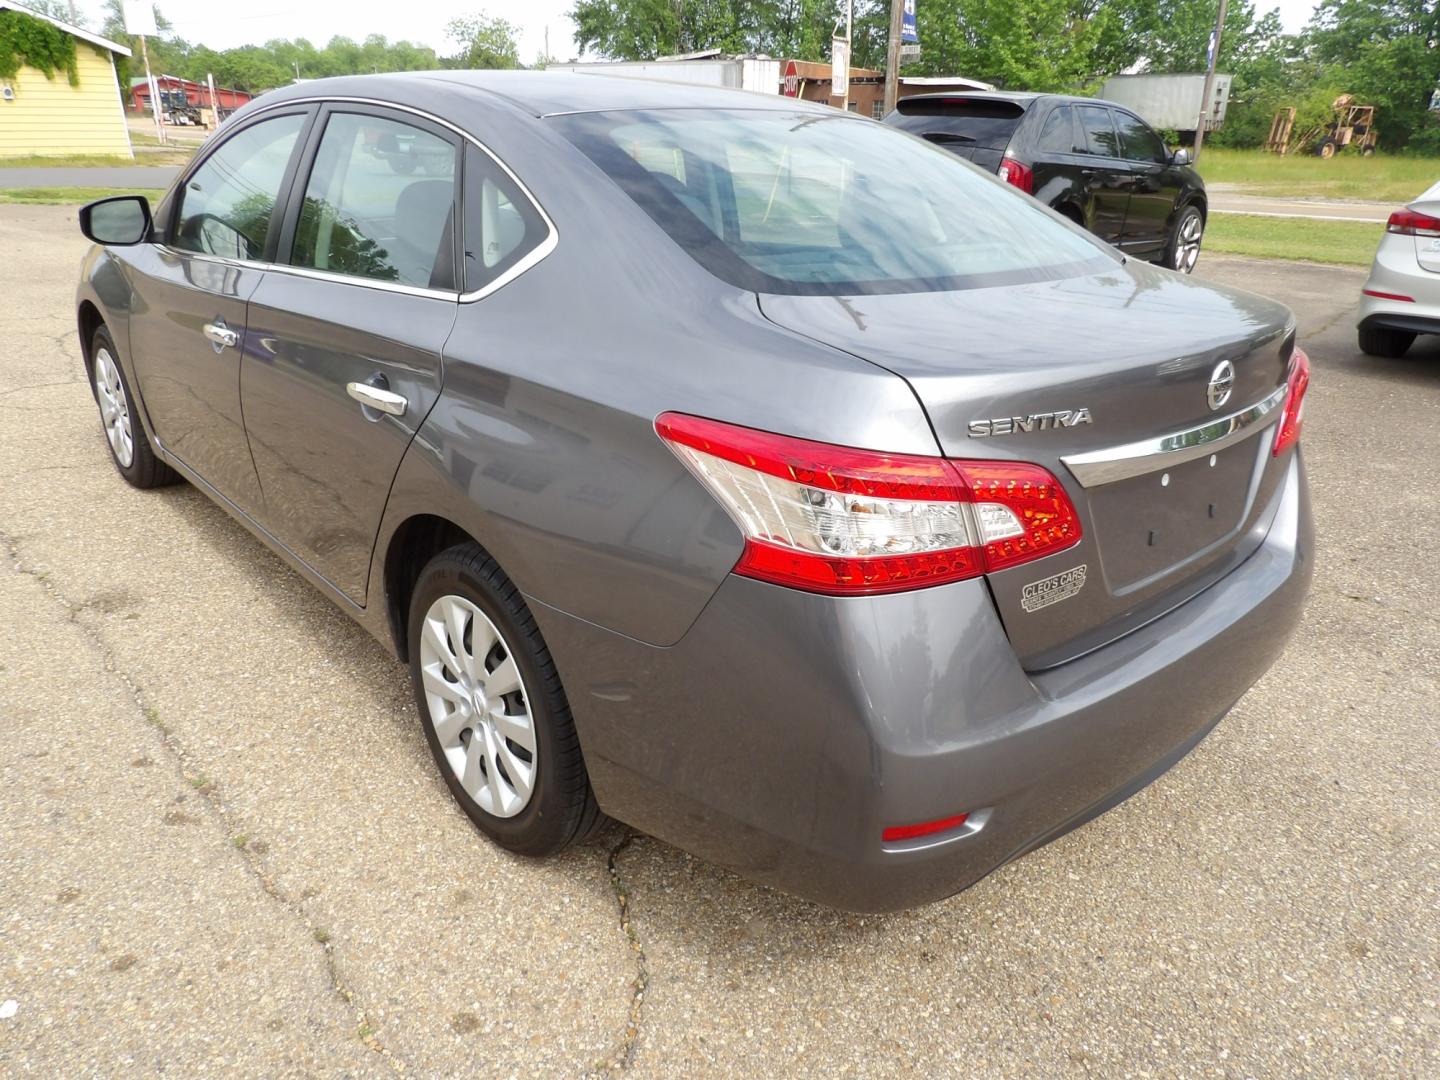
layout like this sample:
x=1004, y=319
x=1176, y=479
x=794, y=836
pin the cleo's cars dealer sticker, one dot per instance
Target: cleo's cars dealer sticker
x=1051, y=590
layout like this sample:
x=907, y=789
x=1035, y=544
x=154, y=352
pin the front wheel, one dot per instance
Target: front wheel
x=130, y=450
x=495, y=715
x=1183, y=251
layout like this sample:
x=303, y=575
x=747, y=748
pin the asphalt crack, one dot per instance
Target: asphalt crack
x=623, y=1056
x=209, y=796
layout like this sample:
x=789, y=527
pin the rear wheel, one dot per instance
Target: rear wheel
x=1380, y=341
x=495, y=715
x=130, y=450
x=1327, y=148
x=1183, y=251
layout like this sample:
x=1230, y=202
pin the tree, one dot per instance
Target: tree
x=1389, y=51
x=57, y=9
x=484, y=42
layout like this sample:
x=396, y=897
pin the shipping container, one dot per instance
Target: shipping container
x=1169, y=101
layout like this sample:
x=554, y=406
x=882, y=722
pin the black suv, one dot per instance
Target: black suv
x=1098, y=164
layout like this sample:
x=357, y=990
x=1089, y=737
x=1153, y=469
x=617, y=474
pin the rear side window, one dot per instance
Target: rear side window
x=1099, y=131
x=379, y=203
x=226, y=206
x=1058, y=134
x=982, y=122
x=502, y=226
x=1137, y=141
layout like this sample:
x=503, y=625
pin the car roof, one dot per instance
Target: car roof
x=548, y=93
x=1019, y=97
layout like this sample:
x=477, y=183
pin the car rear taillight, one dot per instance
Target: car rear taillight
x=836, y=520
x=1293, y=415
x=1410, y=223
x=1017, y=173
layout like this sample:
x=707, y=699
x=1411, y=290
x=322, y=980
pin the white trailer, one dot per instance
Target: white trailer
x=1169, y=101
x=760, y=74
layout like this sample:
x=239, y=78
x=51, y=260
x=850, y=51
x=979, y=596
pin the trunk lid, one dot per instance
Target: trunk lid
x=1083, y=376
x=1427, y=248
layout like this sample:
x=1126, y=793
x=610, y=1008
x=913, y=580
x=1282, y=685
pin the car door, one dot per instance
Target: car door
x=1060, y=160
x=345, y=361
x=1155, y=186
x=191, y=295
x=1106, y=174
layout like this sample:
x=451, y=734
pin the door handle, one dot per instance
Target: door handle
x=220, y=335
x=373, y=397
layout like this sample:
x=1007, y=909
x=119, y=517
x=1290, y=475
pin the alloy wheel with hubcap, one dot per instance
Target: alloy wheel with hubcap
x=495, y=716
x=114, y=408
x=478, y=706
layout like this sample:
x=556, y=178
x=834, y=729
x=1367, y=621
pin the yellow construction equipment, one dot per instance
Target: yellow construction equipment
x=1350, y=125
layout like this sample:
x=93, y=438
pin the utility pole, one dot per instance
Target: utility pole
x=1205, y=102
x=849, y=49
x=892, y=55
x=154, y=91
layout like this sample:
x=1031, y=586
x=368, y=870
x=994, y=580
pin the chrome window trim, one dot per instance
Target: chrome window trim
x=322, y=275
x=535, y=254
x=1098, y=467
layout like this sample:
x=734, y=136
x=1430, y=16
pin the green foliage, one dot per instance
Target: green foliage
x=484, y=42
x=31, y=42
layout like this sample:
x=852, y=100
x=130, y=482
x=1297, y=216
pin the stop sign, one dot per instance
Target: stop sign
x=792, y=80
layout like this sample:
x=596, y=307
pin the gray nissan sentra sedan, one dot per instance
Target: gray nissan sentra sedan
x=747, y=471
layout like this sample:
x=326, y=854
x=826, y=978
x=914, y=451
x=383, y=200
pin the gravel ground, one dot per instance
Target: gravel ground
x=225, y=848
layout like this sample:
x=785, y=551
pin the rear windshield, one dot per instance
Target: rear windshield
x=806, y=203
x=976, y=120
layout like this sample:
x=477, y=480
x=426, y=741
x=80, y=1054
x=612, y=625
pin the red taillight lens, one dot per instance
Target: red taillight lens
x=928, y=828
x=1409, y=223
x=1017, y=173
x=1293, y=415
x=837, y=520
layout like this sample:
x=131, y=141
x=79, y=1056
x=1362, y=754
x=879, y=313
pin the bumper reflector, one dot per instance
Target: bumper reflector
x=928, y=828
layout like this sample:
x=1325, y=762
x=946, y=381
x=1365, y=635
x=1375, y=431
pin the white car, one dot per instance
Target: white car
x=1401, y=298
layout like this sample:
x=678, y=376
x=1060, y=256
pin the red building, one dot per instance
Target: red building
x=197, y=94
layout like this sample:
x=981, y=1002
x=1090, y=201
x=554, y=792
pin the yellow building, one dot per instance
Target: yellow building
x=49, y=116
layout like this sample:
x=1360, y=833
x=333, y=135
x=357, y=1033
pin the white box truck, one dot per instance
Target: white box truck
x=1169, y=101
x=759, y=74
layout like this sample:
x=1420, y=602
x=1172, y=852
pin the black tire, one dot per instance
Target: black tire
x=562, y=809
x=1380, y=341
x=1188, y=230
x=1328, y=148
x=144, y=470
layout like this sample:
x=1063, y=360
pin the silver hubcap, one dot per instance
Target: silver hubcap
x=114, y=408
x=1187, y=252
x=477, y=703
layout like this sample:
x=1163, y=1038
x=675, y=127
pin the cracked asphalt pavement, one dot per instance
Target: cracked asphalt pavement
x=224, y=848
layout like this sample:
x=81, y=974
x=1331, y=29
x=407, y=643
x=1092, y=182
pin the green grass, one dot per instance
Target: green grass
x=1348, y=243
x=69, y=196
x=1381, y=178
x=98, y=161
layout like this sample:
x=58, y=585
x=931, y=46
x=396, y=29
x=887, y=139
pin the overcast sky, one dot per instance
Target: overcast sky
x=221, y=24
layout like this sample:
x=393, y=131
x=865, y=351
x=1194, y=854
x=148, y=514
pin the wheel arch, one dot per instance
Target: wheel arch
x=87, y=320
x=417, y=540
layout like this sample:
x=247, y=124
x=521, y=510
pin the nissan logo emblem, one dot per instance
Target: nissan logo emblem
x=1222, y=383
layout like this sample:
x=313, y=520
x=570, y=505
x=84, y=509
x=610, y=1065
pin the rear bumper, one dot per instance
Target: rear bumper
x=785, y=730
x=1396, y=271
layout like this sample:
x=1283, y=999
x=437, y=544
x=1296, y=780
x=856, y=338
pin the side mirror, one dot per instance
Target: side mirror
x=1180, y=157
x=124, y=219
